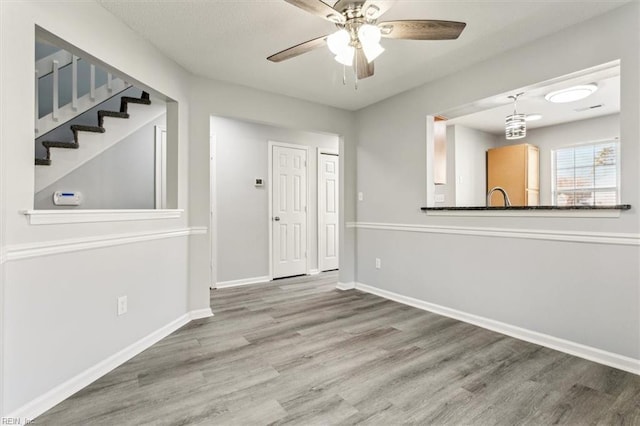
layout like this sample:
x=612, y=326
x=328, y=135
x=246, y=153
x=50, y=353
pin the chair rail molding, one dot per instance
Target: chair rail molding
x=614, y=238
x=31, y=250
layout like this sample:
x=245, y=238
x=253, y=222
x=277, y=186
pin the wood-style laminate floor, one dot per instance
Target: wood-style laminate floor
x=297, y=351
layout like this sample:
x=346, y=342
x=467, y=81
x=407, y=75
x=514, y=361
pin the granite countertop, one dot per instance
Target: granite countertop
x=616, y=207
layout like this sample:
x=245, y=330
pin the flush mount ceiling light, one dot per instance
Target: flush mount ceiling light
x=533, y=117
x=515, y=125
x=571, y=94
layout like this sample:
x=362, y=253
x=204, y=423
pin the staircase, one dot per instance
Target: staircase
x=62, y=155
x=89, y=141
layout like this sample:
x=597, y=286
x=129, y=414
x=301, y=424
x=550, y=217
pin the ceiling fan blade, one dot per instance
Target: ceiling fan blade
x=372, y=9
x=299, y=49
x=319, y=8
x=422, y=29
x=364, y=68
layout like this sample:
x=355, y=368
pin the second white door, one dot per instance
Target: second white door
x=289, y=211
x=328, y=167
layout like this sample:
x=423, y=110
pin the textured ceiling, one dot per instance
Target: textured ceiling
x=228, y=40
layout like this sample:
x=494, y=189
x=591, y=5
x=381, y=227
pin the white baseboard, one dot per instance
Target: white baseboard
x=36, y=407
x=200, y=313
x=572, y=348
x=346, y=286
x=244, y=281
x=314, y=271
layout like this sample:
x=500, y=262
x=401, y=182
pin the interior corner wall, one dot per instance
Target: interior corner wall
x=243, y=217
x=471, y=165
x=59, y=308
x=213, y=98
x=553, y=287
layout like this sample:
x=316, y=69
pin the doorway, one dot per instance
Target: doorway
x=328, y=205
x=288, y=209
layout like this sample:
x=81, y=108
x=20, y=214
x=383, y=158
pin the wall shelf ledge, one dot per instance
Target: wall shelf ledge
x=54, y=217
x=534, y=211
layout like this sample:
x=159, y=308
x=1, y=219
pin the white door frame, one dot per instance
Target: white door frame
x=319, y=181
x=270, y=145
x=160, y=168
x=213, y=212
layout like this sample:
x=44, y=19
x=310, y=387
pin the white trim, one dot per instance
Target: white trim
x=49, y=217
x=346, y=286
x=598, y=213
x=200, y=313
x=270, y=146
x=213, y=210
x=314, y=271
x=39, y=405
x=587, y=352
x=244, y=281
x=31, y=250
x=198, y=230
x=160, y=166
x=530, y=234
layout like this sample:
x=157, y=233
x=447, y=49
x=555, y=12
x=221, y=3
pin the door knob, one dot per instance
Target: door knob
x=277, y=219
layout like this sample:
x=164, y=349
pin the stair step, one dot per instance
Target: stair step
x=104, y=113
x=80, y=128
x=125, y=100
x=43, y=162
x=58, y=144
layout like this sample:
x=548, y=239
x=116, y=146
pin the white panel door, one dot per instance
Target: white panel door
x=289, y=211
x=328, y=175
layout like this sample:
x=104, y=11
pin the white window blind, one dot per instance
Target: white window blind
x=586, y=175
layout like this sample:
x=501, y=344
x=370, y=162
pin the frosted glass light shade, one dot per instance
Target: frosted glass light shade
x=372, y=51
x=369, y=34
x=346, y=56
x=338, y=41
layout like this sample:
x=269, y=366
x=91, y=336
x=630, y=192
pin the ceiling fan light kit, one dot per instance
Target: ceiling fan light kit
x=357, y=42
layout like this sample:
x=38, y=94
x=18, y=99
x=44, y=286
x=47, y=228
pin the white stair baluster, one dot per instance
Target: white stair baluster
x=74, y=83
x=93, y=83
x=109, y=83
x=54, y=113
x=37, y=103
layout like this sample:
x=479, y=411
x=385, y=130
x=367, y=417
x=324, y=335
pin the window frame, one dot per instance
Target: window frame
x=618, y=156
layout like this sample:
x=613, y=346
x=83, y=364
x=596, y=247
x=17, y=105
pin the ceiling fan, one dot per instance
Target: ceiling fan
x=357, y=41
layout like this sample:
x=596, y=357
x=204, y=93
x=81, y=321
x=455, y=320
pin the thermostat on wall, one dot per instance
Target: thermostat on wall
x=67, y=198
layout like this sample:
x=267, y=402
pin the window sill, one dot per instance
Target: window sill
x=54, y=217
x=530, y=211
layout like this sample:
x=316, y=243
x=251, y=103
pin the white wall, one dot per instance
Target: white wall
x=59, y=308
x=553, y=137
x=471, y=147
x=225, y=100
x=553, y=287
x=243, y=224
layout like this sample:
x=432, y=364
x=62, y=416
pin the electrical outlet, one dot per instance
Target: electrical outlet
x=439, y=198
x=360, y=196
x=122, y=305
x=378, y=263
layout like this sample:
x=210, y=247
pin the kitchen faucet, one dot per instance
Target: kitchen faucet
x=507, y=202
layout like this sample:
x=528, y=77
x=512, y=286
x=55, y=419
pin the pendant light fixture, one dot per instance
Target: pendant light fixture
x=515, y=124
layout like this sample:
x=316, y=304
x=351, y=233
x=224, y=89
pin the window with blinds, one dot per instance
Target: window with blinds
x=586, y=175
